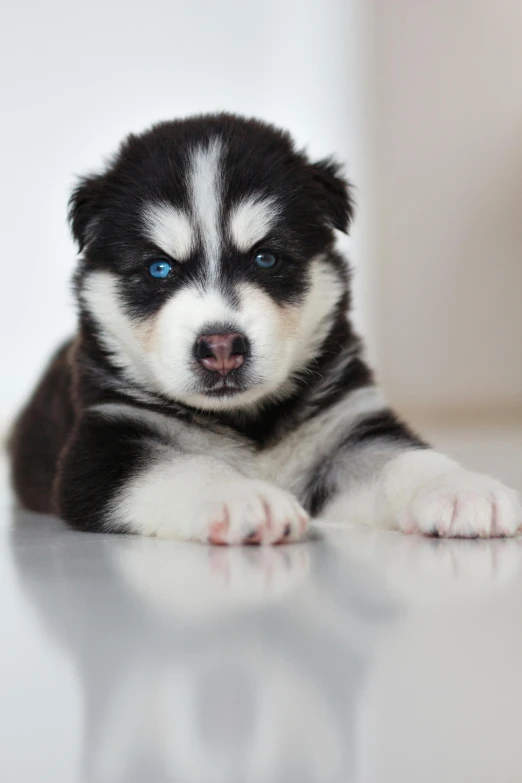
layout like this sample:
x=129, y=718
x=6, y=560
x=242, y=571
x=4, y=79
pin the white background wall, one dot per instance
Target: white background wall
x=422, y=99
x=76, y=78
x=447, y=152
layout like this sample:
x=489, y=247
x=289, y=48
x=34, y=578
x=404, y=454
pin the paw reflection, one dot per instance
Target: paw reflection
x=430, y=567
x=198, y=580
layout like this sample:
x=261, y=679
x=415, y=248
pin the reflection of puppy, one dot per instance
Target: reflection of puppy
x=260, y=688
x=216, y=390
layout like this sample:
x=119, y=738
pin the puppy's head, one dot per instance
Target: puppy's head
x=206, y=269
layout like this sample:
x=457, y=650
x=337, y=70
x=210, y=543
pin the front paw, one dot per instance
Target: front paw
x=247, y=511
x=463, y=504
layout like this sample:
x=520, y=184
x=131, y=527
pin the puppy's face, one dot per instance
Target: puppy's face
x=207, y=274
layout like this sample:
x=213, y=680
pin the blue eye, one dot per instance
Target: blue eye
x=265, y=260
x=160, y=269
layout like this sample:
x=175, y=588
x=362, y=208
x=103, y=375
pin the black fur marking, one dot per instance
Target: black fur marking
x=383, y=426
x=120, y=450
x=318, y=494
x=337, y=201
x=355, y=374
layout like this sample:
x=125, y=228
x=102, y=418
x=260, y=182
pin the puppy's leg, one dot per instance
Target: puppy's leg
x=115, y=477
x=202, y=499
x=383, y=475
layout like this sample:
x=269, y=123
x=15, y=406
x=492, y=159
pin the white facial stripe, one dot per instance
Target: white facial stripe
x=170, y=229
x=205, y=195
x=118, y=334
x=325, y=291
x=251, y=220
x=265, y=324
x=178, y=324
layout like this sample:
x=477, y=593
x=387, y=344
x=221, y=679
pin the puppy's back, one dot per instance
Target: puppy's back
x=40, y=433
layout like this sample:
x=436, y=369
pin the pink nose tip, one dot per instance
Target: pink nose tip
x=221, y=353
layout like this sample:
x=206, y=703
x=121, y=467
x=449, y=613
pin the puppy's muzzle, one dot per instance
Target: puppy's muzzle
x=222, y=353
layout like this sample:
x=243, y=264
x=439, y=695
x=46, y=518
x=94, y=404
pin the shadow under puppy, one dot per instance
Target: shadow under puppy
x=215, y=389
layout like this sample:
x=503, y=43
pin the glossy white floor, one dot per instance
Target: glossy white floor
x=359, y=656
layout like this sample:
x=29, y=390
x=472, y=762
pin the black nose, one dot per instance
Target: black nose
x=223, y=352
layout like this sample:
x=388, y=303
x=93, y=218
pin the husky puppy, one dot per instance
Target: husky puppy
x=215, y=389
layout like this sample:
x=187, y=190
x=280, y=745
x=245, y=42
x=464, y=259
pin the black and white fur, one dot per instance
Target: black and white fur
x=127, y=432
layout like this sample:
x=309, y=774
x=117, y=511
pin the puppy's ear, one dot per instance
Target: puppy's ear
x=334, y=193
x=85, y=205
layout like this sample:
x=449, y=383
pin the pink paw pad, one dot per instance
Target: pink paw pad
x=218, y=531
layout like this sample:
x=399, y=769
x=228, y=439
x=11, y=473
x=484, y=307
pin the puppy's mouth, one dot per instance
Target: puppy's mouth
x=229, y=392
x=214, y=385
x=223, y=389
